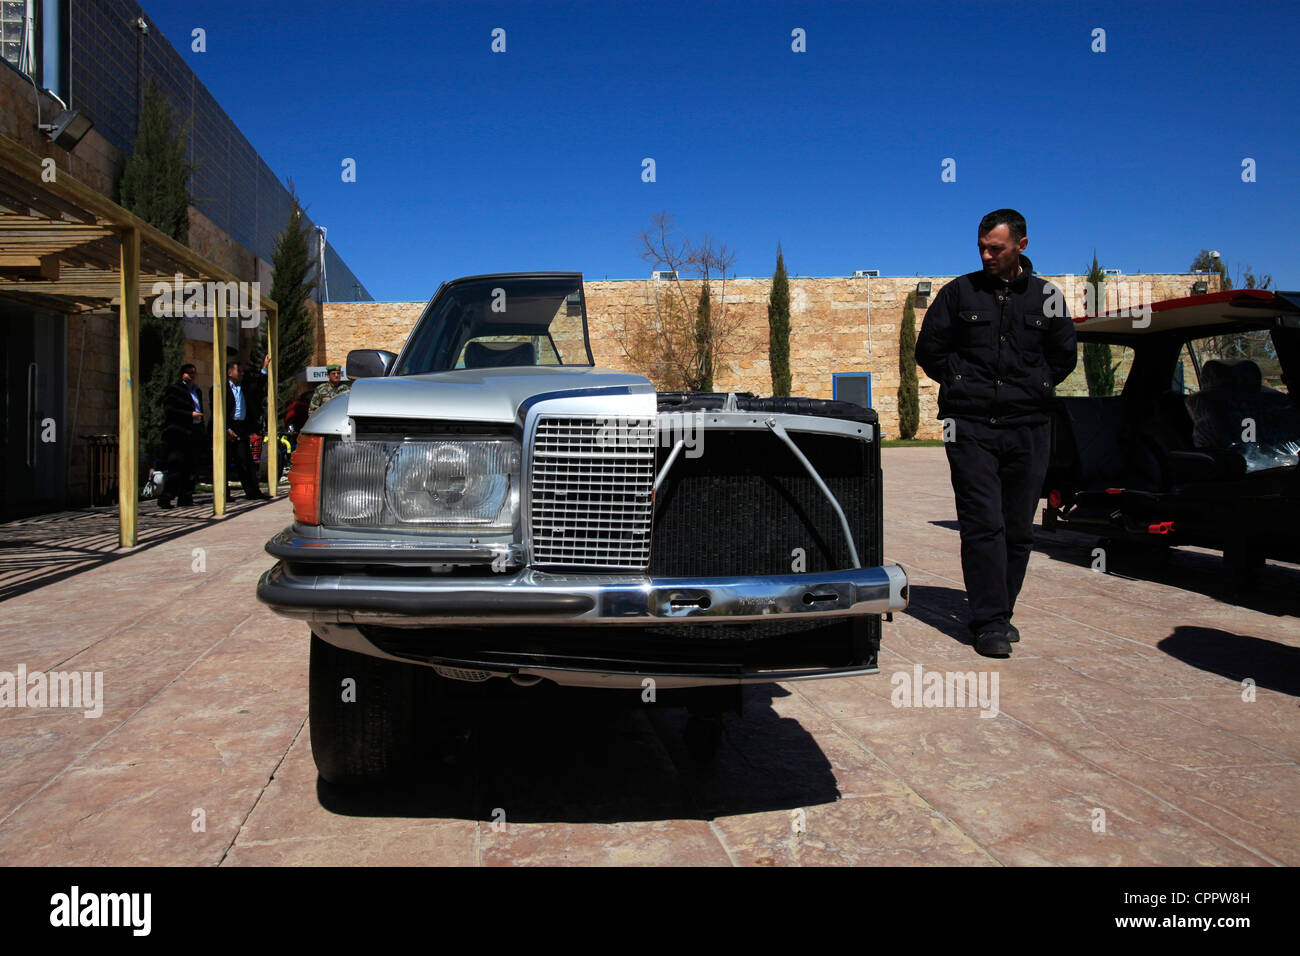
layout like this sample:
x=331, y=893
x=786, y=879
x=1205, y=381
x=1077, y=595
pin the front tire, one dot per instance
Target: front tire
x=363, y=713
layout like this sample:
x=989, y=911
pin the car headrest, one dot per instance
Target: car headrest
x=484, y=355
x=1238, y=375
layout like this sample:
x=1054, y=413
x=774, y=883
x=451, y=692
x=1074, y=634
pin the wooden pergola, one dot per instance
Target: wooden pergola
x=66, y=248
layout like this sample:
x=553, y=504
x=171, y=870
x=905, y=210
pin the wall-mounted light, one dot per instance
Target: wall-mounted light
x=1200, y=288
x=67, y=129
x=922, y=290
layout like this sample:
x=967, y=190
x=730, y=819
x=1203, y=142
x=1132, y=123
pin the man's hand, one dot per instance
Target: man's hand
x=266, y=362
x=231, y=433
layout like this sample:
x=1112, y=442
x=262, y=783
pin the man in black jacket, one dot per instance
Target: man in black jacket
x=183, y=433
x=997, y=347
x=244, y=398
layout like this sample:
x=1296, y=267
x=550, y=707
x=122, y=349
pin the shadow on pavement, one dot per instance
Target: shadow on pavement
x=1272, y=591
x=41, y=550
x=1269, y=664
x=1189, y=569
x=943, y=609
x=575, y=755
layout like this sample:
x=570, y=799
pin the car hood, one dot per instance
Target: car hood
x=468, y=395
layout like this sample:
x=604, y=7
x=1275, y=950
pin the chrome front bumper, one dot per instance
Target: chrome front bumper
x=536, y=597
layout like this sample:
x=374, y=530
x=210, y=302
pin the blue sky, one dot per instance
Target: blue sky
x=470, y=161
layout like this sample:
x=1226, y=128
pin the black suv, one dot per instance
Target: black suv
x=1199, y=445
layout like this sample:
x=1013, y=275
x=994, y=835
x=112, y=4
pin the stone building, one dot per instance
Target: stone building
x=840, y=327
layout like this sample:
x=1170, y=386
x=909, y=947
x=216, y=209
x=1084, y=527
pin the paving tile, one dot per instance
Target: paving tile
x=1027, y=800
x=35, y=746
x=897, y=829
x=648, y=843
x=1254, y=805
x=1271, y=720
x=135, y=815
x=214, y=710
x=302, y=821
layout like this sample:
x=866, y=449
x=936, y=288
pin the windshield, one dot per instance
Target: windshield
x=500, y=322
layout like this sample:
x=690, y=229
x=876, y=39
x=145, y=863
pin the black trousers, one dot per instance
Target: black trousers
x=240, y=454
x=182, y=465
x=997, y=477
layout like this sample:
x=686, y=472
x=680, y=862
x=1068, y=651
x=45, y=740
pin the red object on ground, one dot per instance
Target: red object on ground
x=1160, y=527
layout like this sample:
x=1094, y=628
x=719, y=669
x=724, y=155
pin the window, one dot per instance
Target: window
x=1255, y=346
x=1077, y=384
x=13, y=14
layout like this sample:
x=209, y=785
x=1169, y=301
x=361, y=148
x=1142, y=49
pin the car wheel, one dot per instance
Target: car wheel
x=363, y=715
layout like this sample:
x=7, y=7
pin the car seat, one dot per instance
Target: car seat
x=491, y=355
x=1231, y=399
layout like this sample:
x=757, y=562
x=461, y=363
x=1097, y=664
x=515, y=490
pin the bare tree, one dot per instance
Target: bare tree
x=676, y=342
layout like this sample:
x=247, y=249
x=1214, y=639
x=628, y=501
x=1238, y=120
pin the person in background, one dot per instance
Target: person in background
x=331, y=389
x=183, y=434
x=243, y=398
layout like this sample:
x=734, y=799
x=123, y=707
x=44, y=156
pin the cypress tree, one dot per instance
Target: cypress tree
x=155, y=185
x=909, y=403
x=1097, y=367
x=292, y=281
x=704, y=340
x=778, y=328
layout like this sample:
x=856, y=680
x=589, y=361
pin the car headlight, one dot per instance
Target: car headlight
x=470, y=483
x=459, y=485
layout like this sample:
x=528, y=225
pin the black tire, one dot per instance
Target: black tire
x=370, y=739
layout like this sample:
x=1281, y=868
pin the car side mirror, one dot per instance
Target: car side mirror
x=369, y=363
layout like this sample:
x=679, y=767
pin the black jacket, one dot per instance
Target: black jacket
x=178, y=411
x=997, y=349
x=253, y=388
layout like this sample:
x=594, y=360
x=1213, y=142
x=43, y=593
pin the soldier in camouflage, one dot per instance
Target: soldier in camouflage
x=327, y=390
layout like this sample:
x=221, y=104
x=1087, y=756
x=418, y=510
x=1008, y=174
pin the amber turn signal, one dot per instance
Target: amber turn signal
x=304, y=479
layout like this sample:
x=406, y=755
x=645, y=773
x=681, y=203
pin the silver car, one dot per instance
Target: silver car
x=488, y=504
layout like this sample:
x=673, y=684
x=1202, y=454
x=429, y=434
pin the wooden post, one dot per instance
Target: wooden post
x=219, y=406
x=272, y=423
x=128, y=402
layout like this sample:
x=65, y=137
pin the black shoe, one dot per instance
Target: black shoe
x=1012, y=634
x=993, y=644
x=185, y=502
x=165, y=504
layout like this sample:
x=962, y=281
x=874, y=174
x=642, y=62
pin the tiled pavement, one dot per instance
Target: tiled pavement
x=1122, y=735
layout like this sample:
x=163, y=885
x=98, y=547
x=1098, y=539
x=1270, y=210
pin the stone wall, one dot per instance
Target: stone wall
x=366, y=325
x=837, y=325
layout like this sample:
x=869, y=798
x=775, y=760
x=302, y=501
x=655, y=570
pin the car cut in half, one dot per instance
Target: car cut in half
x=1199, y=447
x=489, y=505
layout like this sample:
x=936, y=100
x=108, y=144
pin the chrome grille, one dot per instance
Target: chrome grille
x=591, y=492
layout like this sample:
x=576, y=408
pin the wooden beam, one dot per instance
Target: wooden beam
x=272, y=421
x=219, y=407
x=67, y=188
x=128, y=403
